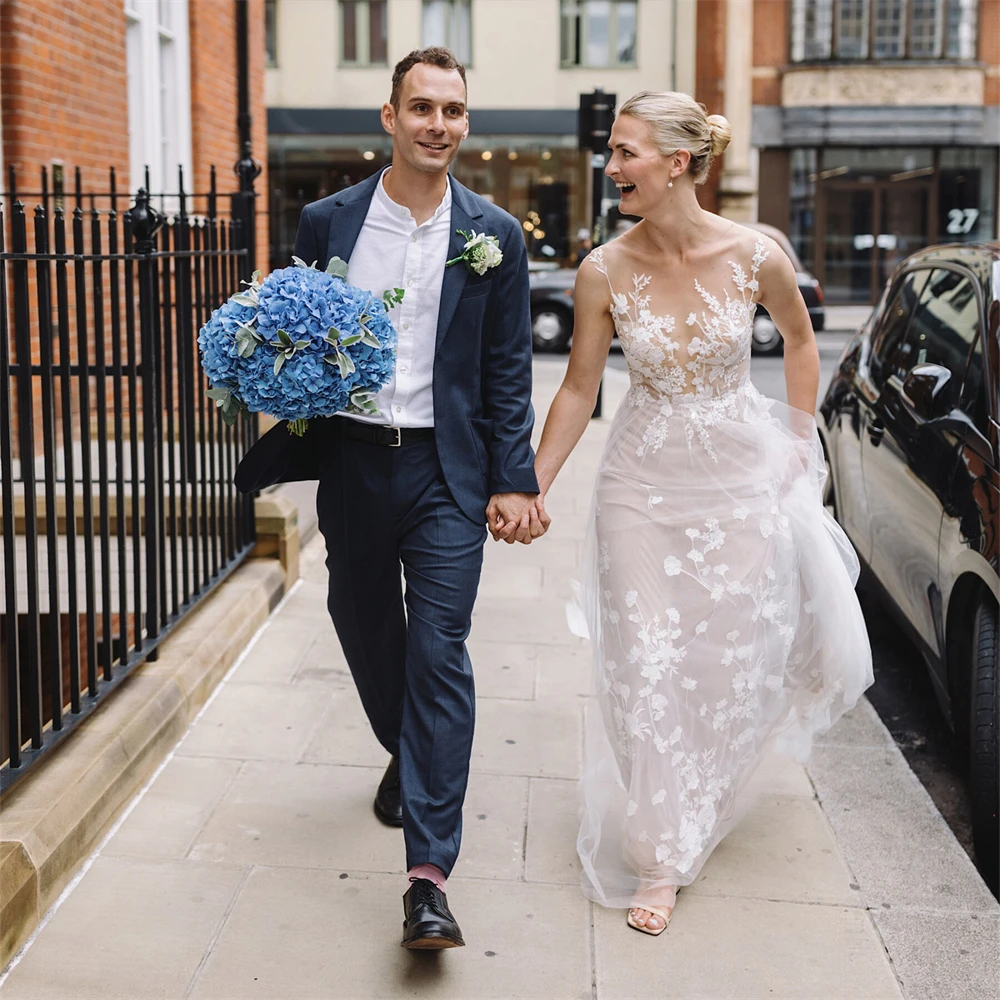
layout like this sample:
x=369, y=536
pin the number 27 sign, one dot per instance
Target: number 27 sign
x=962, y=220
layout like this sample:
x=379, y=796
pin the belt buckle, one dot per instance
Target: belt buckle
x=399, y=437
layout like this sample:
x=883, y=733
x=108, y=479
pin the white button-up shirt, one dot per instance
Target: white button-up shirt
x=392, y=251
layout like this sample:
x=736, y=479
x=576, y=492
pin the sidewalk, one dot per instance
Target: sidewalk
x=253, y=865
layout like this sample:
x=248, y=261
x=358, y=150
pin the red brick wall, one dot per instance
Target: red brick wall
x=989, y=47
x=63, y=81
x=710, y=81
x=770, y=49
x=214, y=134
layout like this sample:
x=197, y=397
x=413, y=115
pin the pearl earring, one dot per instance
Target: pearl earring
x=670, y=184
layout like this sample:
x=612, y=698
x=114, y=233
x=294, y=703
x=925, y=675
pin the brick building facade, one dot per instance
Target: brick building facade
x=69, y=68
x=876, y=128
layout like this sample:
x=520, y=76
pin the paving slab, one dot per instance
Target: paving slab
x=275, y=657
x=343, y=735
x=723, y=947
x=550, y=849
x=300, y=815
x=504, y=669
x=140, y=929
x=339, y=935
x=258, y=722
x=782, y=849
x=175, y=809
x=529, y=738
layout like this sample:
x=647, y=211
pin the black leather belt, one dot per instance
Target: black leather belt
x=392, y=437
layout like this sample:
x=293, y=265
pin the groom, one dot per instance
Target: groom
x=416, y=485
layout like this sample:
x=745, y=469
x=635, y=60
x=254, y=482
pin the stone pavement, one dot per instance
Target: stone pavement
x=252, y=865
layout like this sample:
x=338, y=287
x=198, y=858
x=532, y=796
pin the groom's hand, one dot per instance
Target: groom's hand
x=507, y=516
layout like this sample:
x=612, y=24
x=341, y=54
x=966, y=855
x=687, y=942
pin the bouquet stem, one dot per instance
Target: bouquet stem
x=298, y=427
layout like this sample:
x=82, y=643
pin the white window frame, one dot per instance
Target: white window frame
x=576, y=10
x=159, y=94
x=364, y=36
x=820, y=44
x=452, y=26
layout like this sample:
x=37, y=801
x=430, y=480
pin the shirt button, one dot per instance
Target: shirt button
x=403, y=370
x=409, y=283
x=406, y=326
x=398, y=409
x=413, y=239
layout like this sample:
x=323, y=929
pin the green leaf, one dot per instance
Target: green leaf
x=337, y=267
x=218, y=394
x=361, y=396
x=370, y=339
x=245, y=298
x=299, y=262
x=247, y=340
x=345, y=364
x=299, y=344
x=255, y=277
x=278, y=362
x=330, y=359
x=350, y=340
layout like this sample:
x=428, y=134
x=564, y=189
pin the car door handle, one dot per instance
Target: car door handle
x=876, y=430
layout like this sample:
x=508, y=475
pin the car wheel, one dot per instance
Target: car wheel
x=766, y=339
x=984, y=742
x=550, y=329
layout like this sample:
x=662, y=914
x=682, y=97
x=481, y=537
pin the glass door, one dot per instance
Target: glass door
x=903, y=226
x=848, y=243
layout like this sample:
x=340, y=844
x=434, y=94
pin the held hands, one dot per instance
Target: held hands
x=517, y=517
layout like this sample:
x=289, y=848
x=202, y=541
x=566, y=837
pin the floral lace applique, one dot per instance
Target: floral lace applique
x=712, y=385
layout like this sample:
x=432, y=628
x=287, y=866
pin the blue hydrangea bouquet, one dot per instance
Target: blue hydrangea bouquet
x=302, y=343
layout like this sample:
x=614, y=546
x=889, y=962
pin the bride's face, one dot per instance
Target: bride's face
x=640, y=171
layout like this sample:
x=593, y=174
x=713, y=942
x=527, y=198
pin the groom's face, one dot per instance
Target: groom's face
x=431, y=120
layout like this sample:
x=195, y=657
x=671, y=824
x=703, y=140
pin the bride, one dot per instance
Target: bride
x=718, y=592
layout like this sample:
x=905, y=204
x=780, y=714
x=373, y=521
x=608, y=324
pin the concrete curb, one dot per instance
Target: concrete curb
x=938, y=922
x=57, y=814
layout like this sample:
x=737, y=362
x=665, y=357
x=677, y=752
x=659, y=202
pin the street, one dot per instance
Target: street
x=902, y=694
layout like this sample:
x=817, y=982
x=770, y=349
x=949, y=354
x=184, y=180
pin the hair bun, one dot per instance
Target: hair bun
x=720, y=133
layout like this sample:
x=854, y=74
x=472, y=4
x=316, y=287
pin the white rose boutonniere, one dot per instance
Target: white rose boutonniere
x=481, y=252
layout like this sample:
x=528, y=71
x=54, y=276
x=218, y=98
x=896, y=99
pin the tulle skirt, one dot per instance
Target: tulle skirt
x=718, y=594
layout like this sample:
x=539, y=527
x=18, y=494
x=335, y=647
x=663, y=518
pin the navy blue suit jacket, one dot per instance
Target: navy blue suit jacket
x=482, y=359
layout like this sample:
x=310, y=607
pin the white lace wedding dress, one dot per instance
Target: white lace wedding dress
x=718, y=592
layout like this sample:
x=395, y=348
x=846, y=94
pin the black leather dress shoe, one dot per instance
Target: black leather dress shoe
x=429, y=923
x=388, y=801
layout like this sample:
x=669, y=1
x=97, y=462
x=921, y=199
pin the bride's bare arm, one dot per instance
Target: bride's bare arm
x=780, y=296
x=573, y=405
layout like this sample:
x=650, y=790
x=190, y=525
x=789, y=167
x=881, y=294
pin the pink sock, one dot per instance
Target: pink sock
x=431, y=872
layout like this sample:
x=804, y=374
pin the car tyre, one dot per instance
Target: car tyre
x=984, y=742
x=551, y=329
x=766, y=340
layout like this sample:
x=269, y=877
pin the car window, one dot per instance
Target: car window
x=944, y=326
x=890, y=331
x=974, y=388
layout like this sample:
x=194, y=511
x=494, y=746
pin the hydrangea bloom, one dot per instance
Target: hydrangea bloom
x=303, y=343
x=217, y=341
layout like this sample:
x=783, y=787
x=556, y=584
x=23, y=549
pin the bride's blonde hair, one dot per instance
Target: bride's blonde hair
x=678, y=121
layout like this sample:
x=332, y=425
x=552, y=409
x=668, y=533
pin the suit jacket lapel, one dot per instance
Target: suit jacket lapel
x=347, y=219
x=464, y=215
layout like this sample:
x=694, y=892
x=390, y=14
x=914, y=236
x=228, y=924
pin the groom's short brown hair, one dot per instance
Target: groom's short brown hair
x=436, y=55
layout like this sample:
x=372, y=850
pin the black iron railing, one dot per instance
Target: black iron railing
x=118, y=508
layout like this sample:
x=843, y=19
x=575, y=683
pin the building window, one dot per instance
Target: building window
x=883, y=29
x=598, y=33
x=159, y=92
x=363, y=35
x=271, y=31
x=449, y=23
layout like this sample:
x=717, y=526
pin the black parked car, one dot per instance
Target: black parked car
x=911, y=433
x=552, y=303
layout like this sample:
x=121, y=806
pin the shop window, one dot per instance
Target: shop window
x=966, y=194
x=271, y=32
x=363, y=35
x=598, y=33
x=883, y=29
x=449, y=23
